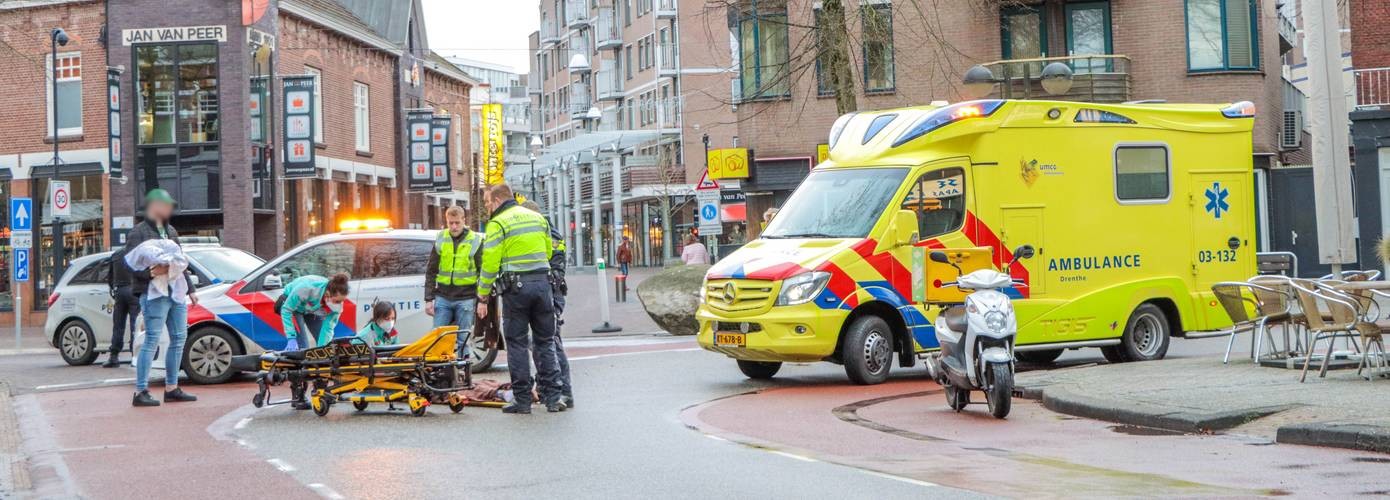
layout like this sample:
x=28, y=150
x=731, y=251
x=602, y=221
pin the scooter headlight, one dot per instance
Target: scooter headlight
x=801, y=288
x=995, y=321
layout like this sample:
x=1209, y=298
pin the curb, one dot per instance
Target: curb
x=1343, y=435
x=1061, y=399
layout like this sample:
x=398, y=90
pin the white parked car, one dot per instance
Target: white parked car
x=79, y=309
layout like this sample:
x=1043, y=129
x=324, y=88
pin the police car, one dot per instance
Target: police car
x=79, y=309
x=385, y=264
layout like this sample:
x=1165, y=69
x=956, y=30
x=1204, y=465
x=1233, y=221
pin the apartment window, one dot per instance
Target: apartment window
x=824, y=86
x=1088, y=33
x=763, y=54
x=629, y=113
x=1222, y=35
x=361, y=116
x=1141, y=174
x=69, y=77
x=176, y=87
x=628, y=63
x=1024, y=36
x=878, y=46
x=627, y=12
x=318, y=98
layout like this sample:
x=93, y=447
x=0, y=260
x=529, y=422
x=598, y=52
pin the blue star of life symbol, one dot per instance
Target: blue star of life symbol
x=1216, y=199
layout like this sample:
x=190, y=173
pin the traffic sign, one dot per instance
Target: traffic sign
x=22, y=239
x=706, y=183
x=21, y=214
x=21, y=264
x=60, y=198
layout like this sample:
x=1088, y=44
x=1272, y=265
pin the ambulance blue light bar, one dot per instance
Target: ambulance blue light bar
x=948, y=115
x=1242, y=109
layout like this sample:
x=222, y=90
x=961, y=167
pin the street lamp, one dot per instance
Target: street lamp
x=56, y=38
x=535, y=147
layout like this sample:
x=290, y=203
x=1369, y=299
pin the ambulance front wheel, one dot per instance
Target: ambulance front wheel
x=867, y=350
x=1145, y=338
x=759, y=370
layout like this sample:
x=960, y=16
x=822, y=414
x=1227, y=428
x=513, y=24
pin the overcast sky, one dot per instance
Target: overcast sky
x=487, y=30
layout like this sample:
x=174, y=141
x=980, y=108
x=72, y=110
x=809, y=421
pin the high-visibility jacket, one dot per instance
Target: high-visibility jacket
x=517, y=241
x=456, y=261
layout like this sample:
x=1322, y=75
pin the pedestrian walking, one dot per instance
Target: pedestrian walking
x=558, y=290
x=125, y=308
x=624, y=255
x=451, y=277
x=768, y=215
x=164, y=291
x=694, y=252
x=516, y=255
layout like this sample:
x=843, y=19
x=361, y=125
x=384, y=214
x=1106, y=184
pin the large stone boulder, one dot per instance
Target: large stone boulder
x=671, y=297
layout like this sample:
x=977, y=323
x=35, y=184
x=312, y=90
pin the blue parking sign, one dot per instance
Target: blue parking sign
x=21, y=214
x=21, y=264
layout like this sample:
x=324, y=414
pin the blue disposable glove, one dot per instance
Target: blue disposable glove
x=292, y=345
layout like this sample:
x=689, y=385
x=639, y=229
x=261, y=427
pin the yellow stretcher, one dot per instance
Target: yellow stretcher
x=345, y=370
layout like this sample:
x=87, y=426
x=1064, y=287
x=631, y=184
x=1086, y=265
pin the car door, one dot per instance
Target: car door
x=259, y=293
x=393, y=270
x=88, y=296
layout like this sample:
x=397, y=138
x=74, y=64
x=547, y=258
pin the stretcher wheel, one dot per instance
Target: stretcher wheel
x=258, y=400
x=419, y=412
x=457, y=406
x=321, y=404
x=359, y=405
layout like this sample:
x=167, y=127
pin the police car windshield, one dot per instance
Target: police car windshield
x=226, y=264
x=836, y=203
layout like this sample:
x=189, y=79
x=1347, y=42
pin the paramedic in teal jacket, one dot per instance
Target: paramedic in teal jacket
x=312, y=303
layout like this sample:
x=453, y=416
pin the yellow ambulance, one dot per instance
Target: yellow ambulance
x=1134, y=210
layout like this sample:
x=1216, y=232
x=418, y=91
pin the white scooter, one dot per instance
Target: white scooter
x=977, y=338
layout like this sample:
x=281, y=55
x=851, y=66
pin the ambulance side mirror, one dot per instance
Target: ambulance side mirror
x=904, y=228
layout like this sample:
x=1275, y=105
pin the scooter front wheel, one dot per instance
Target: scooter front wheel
x=1001, y=388
x=957, y=399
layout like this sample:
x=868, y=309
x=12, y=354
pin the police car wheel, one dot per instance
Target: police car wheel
x=76, y=343
x=207, y=355
x=1146, y=334
x=759, y=370
x=867, y=350
x=480, y=356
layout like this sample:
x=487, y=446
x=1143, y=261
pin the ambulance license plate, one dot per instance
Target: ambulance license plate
x=730, y=339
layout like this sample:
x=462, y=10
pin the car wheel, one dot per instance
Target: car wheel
x=1114, y=354
x=480, y=355
x=1146, y=334
x=759, y=370
x=207, y=355
x=1039, y=357
x=867, y=350
x=76, y=343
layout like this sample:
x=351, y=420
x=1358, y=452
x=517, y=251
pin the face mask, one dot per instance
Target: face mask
x=386, y=325
x=334, y=306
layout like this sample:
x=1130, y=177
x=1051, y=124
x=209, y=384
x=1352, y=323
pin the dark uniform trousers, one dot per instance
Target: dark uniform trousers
x=123, y=314
x=564, y=361
x=531, y=306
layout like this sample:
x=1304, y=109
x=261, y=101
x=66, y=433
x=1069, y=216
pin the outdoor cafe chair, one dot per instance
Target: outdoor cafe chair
x=1370, y=325
x=1342, y=323
x=1251, y=306
x=1354, y=275
x=1282, y=310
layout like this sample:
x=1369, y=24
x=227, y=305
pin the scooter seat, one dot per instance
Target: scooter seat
x=955, y=319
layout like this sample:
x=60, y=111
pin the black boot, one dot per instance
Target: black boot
x=517, y=408
x=112, y=361
x=178, y=396
x=568, y=401
x=143, y=398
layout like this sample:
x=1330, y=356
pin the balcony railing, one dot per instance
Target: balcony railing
x=606, y=31
x=579, y=54
x=1095, y=78
x=533, y=83
x=579, y=100
x=665, y=9
x=1372, y=87
x=576, y=13
x=608, y=81
x=1288, y=33
x=666, y=59
x=549, y=32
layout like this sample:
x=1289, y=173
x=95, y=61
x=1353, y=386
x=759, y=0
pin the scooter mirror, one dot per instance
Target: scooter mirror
x=1023, y=252
x=939, y=256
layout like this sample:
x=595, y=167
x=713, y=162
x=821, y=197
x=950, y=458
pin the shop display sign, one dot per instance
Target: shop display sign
x=439, y=153
x=420, y=123
x=113, y=111
x=299, y=126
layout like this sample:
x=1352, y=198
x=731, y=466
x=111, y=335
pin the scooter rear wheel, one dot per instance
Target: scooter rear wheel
x=1000, y=393
x=957, y=399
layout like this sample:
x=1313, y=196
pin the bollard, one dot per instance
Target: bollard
x=620, y=287
x=605, y=326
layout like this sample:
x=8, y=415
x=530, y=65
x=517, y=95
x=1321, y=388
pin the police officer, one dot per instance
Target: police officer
x=558, y=290
x=451, y=277
x=516, y=255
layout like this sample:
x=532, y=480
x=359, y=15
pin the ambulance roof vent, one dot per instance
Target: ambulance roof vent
x=876, y=126
x=839, y=127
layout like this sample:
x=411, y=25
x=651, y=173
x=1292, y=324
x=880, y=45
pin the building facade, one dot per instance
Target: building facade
x=1118, y=50
x=626, y=94
x=194, y=119
x=503, y=86
x=1370, y=125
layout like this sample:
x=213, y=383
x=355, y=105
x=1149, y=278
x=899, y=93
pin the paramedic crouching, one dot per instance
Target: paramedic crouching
x=451, y=277
x=516, y=255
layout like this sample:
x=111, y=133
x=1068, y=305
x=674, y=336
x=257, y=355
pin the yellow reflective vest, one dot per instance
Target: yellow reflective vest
x=517, y=241
x=456, y=261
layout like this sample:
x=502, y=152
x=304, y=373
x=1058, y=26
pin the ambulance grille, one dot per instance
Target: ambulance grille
x=747, y=295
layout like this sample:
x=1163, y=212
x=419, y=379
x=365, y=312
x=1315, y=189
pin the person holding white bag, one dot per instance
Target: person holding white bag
x=159, y=277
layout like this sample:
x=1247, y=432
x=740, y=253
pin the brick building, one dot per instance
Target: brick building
x=1370, y=123
x=190, y=75
x=1194, y=51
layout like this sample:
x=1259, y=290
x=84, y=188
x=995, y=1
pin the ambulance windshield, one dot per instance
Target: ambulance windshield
x=836, y=203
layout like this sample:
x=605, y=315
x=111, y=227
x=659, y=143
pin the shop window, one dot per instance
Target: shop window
x=1142, y=174
x=1222, y=35
x=938, y=198
x=877, y=23
x=763, y=49
x=83, y=231
x=69, y=79
x=6, y=297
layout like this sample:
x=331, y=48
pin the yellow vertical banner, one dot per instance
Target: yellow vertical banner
x=493, y=143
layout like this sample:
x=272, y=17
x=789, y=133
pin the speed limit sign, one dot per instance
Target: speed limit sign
x=60, y=198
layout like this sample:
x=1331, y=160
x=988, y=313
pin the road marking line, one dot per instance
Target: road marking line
x=325, y=491
x=900, y=478
x=92, y=383
x=792, y=456
x=716, y=438
x=633, y=353
x=281, y=464
x=241, y=424
x=118, y=380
